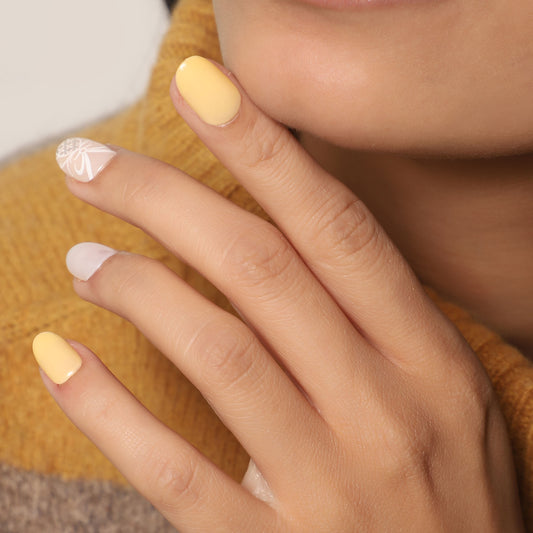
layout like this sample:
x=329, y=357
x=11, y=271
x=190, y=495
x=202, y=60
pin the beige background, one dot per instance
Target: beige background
x=66, y=63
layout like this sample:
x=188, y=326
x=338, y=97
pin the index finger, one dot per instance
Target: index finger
x=335, y=233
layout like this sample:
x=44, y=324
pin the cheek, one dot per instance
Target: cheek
x=412, y=87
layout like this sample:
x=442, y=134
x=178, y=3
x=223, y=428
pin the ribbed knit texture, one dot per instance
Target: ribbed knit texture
x=41, y=220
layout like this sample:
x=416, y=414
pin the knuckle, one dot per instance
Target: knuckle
x=407, y=450
x=255, y=258
x=136, y=194
x=415, y=452
x=346, y=225
x=470, y=394
x=399, y=445
x=99, y=408
x=126, y=285
x=476, y=394
x=174, y=484
x=225, y=353
x=261, y=144
x=471, y=402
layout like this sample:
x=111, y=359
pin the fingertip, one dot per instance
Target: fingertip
x=83, y=379
x=83, y=159
x=86, y=258
x=208, y=90
x=56, y=357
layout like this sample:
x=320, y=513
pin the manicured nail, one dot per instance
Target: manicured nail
x=84, y=259
x=209, y=92
x=56, y=357
x=83, y=159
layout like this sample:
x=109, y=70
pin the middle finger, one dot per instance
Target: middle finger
x=248, y=259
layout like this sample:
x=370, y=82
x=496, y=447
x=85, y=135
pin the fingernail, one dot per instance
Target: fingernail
x=209, y=92
x=84, y=259
x=83, y=159
x=56, y=357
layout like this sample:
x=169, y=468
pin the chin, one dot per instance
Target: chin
x=417, y=133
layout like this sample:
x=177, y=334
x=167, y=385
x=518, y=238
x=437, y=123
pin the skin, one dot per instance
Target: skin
x=373, y=425
x=446, y=62
x=433, y=78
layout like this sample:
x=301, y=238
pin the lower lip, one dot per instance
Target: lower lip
x=356, y=4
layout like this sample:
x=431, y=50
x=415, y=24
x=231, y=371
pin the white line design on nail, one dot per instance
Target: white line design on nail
x=83, y=159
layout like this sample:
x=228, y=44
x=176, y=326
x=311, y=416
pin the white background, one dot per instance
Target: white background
x=67, y=63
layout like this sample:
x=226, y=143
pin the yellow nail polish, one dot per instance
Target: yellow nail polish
x=56, y=357
x=209, y=92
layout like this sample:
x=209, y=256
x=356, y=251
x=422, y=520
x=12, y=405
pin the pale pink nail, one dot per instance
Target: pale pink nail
x=84, y=259
x=83, y=159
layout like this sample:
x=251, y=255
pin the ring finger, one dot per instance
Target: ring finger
x=215, y=350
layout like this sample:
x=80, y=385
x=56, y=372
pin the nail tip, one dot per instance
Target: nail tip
x=83, y=159
x=84, y=259
x=68, y=375
x=56, y=357
x=208, y=90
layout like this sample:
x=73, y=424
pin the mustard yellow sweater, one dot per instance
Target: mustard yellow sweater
x=40, y=220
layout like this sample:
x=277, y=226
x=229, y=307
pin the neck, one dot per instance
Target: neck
x=465, y=226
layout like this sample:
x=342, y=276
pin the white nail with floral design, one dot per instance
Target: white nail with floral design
x=83, y=159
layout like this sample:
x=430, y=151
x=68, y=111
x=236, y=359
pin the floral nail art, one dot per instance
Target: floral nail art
x=83, y=159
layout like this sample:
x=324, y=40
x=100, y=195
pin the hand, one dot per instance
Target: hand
x=361, y=406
